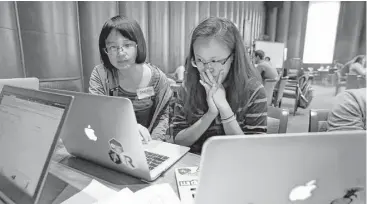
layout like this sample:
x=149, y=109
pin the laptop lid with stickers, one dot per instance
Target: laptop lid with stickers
x=103, y=130
x=30, y=123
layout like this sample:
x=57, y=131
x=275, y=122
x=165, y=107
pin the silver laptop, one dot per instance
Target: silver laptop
x=30, y=123
x=103, y=129
x=29, y=83
x=307, y=168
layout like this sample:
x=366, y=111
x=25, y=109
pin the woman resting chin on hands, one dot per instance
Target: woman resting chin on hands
x=223, y=94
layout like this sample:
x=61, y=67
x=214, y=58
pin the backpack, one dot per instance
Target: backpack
x=306, y=91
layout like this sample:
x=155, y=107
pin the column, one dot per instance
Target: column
x=283, y=15
x=271, y=23
x=295, y=32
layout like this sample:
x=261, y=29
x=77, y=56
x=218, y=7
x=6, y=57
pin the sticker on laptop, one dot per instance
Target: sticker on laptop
x=145, y=92
x=115, y=158
x=116, y=146
x=118, y=156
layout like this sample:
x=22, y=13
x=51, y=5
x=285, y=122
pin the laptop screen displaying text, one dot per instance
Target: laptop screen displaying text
x=27, y=129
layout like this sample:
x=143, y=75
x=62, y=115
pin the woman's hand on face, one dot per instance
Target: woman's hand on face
x=144, y=134
x=219, y=96
x=210, y=89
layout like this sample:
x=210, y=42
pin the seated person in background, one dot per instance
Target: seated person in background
x=266, y=70
x=345, y=70
x=222, y=94
x=180, y=73
x=125, y=73
x=358, y=67
x=349, y=111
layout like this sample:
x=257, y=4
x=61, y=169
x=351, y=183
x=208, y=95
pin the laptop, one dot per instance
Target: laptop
x=304, y=168
x=30, y=123
x=103, y=130
x=29, y=83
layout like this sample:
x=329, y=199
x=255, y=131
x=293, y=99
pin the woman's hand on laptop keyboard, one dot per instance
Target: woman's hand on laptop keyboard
x=144, y=134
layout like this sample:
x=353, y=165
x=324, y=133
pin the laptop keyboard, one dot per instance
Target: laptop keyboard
x=154, y=159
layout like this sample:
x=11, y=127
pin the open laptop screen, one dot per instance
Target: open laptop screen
x=28, y=126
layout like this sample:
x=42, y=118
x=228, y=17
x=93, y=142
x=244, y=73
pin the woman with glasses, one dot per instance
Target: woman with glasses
x=125, y=73
x=222, y=93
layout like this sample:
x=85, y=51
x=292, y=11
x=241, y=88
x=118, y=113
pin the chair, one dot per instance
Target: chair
x=362, y=81
x=279, y=90
x=318, y=120
x=339, y=82
x=292, y=91
x=352, y=81
x=71, y=84
x=324, y=77
x=277, y=120
x=269, y=85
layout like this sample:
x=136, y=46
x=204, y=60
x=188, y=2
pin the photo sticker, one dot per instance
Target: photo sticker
x=116, y=146
x=115, y=158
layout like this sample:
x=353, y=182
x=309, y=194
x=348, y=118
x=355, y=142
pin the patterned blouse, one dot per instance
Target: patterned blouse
x=251, y=116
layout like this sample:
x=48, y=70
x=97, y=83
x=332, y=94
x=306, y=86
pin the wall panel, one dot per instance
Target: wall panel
x=49, y=38
x=159, y=34
x=192, y=18
x=204, y=8
x=137, y=10
x=214, y=8
x=176, y=36
x=92, y=16
x=230, y=11
x=222, y=9
x=10, y=53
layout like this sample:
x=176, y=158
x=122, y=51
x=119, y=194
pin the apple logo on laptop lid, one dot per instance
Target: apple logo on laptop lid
x=89, y=132
x=302, y=192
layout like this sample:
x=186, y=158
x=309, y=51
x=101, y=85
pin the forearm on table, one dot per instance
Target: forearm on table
x=190, y=135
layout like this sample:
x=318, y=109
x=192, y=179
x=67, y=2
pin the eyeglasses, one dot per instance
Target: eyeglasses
x=212, y=64
x=114, y=50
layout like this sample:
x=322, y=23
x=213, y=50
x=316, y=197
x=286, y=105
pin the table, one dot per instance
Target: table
x=68, y=175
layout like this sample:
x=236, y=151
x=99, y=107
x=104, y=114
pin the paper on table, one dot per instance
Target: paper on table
x=93, y=192
x=124, y=196
x=156, y=194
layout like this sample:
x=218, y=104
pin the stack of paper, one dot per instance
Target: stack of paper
x=97, y=193
x=90, y=194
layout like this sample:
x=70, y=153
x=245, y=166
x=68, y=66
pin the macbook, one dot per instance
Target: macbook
x=29, y=83
x=30, y=123
x=304, y=168
x=103, y=129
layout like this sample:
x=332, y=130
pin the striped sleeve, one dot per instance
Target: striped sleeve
x=254, y=120
x=95, y=83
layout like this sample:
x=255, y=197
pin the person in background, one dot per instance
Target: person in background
x=346, y=68
x=180, y=73
x=222, y=92
x=125, y=73
x=266, y=70
x=358, y=67
x=348, y=111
